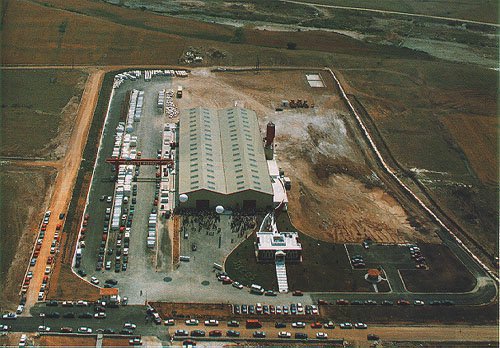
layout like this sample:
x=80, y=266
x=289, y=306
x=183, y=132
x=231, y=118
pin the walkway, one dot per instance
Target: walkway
x=281, y=276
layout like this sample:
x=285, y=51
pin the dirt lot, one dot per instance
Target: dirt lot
x=19, y=221
x=187, y=310
x=66, y=341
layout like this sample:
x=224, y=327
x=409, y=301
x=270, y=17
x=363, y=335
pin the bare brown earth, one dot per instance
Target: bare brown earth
x=188, y=310
x=66, y=341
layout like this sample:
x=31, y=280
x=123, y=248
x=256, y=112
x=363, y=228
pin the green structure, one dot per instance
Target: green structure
x=222, y=161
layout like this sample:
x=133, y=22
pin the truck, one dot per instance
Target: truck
x=253, y=324
x=179, y=92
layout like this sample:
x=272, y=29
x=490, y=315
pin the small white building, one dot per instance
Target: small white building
x=272, y=246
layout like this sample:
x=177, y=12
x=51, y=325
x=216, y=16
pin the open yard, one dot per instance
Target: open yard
x=38, y=111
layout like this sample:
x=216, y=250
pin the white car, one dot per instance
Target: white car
x=321, y=335
x=84, y=329
x=169, y=322
x=81, y=303
x=135, y=342
x=345, y=325
x=94, y=280
x=43, y=328
x=211, y=322
x=100, y=315
x=22, y=341
x=4, y=328
x=329, y=325
x=47, y=270
x=10, y=316
x=237, y=285
x=109, y=199
x=125, y=251
x=361, y=326
x=40, y=296
x=419, y=303
x=20, y=309
x=130, y=326
x=299, y=325
x=284, y=334
x=192, y=322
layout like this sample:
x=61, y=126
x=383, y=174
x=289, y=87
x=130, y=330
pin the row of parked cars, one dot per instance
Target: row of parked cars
x=54, y=246
x=400, y=302
x=417, y=256
x=292, y=309
x=255, y=334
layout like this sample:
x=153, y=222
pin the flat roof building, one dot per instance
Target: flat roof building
x=222, y=161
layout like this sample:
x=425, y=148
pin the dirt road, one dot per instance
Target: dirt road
x=66, y=177
x=406, y=14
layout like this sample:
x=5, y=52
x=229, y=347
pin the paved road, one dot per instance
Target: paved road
x=407, y=14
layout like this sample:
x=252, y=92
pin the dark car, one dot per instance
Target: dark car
x=198, y=333
x=52, y=303
x=82, y=272
x=109, y=331
x=232, y=333
x=356, y=303
x=251, y=309
x=53, y=315
x=215, y=333
x=236, y=309
x=297, y=293
x=301, y=336
x=126, y=332
x=279, y=325
x=69, y=315
x=270, y=293
x=86, y=315
x=61, y=216
x=372, y=337
x=233, y=323
x=111, y=281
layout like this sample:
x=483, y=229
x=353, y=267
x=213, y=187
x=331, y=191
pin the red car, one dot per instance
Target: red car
x=215, y=333
x=402, y=302
x=316, y=325
x=342, y=302
x=50, y=259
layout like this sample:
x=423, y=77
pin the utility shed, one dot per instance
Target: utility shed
x=222, y=161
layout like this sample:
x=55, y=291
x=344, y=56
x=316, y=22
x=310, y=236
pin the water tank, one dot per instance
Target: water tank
x=270, y=133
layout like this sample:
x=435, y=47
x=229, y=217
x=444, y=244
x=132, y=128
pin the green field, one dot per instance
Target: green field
x=37, y=106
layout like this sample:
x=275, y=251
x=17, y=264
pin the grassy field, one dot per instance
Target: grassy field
x=19, y=220
x=39, y=105
x=446, y=273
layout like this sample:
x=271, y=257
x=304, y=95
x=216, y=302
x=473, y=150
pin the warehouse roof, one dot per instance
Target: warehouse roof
x=221, y=151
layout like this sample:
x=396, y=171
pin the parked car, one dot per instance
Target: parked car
x=233, y=333
x=181, y=333
x=345, y=325
x=43, y=328
x=233, y=323
x=321, y=335
x=169, y=322
x=360, y=326
x=192, y=322
x=259, y=334
x=84, y=330
x=298, y=324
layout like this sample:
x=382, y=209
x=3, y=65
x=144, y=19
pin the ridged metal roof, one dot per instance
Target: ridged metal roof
x=221, y=151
